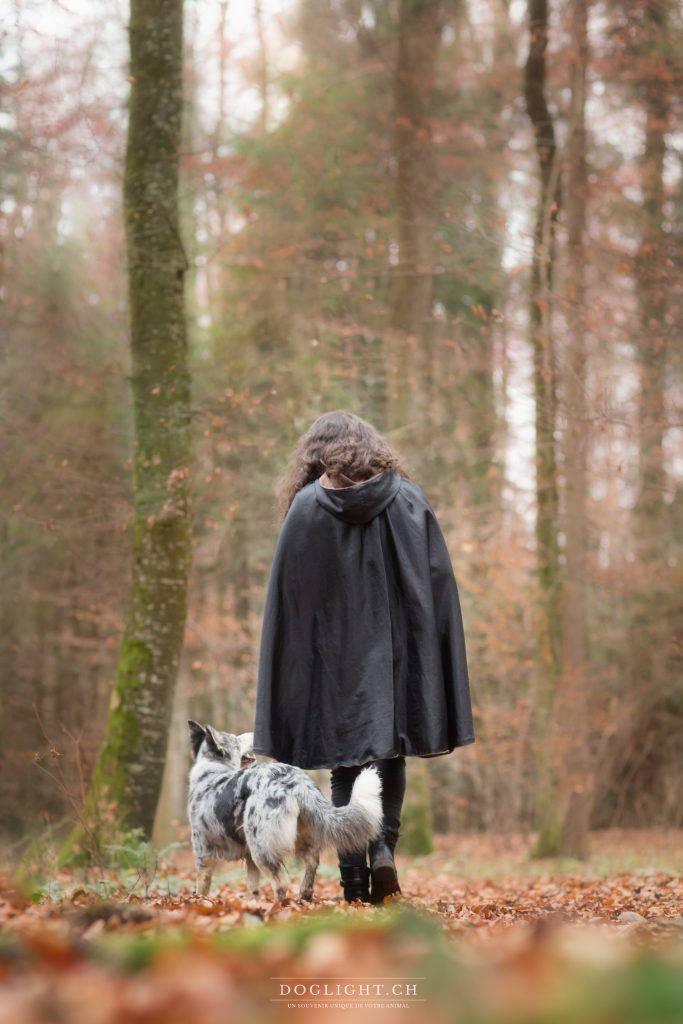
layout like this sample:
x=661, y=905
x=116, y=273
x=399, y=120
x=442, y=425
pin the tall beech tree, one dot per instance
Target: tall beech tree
x=128, y=772
x=419, y=29
x=576, y=803
x=545, y=398
x=652, y=279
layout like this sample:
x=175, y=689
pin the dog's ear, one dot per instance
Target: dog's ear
x=246, y=742
x=213, y=740
x=197, y=735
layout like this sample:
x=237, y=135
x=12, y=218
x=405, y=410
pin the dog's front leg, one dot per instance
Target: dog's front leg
x=253, y=876
x=204, y=872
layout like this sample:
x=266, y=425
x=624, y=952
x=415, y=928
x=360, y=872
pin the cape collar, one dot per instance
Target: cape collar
x=361, y=502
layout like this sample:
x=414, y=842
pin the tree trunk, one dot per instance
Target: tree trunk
x=128, y=773
x=545, y=373
x=419, y=34
x=648, y=638
x=263, y=69
x=417, y=833
x=577, y=800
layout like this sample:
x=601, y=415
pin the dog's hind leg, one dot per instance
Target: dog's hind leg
x=253, y=876
x=306, y=850
x=271, y=866
x=311, y=861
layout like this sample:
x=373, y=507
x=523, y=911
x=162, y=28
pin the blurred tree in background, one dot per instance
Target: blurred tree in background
x=376, y=218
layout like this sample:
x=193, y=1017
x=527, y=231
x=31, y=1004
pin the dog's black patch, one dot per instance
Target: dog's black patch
x=274, y=801
x=245, y=785
x=229, y=810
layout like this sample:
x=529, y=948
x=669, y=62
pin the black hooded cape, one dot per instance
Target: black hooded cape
x=362, y=646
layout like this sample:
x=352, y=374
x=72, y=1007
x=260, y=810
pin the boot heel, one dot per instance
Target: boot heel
x=383, y=872
x=356, y=883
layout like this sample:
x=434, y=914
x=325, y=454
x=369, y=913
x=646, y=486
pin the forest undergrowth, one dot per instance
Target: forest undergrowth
x=479, y=933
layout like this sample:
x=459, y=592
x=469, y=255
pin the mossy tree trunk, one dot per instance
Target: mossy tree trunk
x=127, y=776
x=545, y=399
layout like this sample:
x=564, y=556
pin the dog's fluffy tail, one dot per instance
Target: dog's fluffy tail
x=350, y=827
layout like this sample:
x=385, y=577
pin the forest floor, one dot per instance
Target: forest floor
x=483, y=935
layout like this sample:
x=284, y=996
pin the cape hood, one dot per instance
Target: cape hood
x=361, y=502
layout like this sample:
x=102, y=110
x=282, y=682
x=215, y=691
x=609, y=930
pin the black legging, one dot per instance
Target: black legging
x=392, y=771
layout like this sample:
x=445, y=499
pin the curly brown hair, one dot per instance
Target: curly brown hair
x=340, y=444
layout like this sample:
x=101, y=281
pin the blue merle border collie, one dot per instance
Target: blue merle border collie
x=265, y=812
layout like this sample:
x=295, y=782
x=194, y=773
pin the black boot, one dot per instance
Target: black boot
x=356, y=882
x=383, y=869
